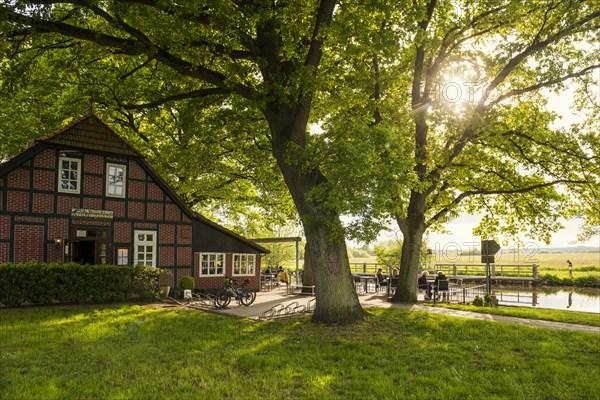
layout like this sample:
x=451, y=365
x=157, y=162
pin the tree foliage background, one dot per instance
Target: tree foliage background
x=346, y=106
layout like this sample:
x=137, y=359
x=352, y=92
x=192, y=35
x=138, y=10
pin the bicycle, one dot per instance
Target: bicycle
x=242, y=294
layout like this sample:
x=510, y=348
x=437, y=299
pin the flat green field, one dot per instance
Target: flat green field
x=548, y=262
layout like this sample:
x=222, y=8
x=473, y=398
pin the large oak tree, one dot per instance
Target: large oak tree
x=463, y=87
x=264, y=54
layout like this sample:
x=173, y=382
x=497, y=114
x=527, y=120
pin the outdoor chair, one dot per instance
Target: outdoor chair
x=393, y=284
x=442, y=289
x=358, y=284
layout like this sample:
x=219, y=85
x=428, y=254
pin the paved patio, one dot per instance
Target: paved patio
x=266, y=300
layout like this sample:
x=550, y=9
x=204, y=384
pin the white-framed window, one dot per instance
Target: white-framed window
x=69, y=175
x=115, y=180
x=243, y=264
x=122, y=255
x=212, y=264
x=145, y=248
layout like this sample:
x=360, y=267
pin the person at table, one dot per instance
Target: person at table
x=440, y=277
x=395, y=273
x=282, y=275
x=381, y=280
x=268, y=270
x=423, y=284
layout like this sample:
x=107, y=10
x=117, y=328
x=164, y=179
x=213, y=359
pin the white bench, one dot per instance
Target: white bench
x=292, y=287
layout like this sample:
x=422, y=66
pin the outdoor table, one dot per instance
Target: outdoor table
x=365, y=280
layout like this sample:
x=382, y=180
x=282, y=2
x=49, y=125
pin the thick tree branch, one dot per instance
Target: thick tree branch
x=534, y=47
x=477, y=192
x=129, y=47
x=540, y=85
x=315, y=50
x=181, y=96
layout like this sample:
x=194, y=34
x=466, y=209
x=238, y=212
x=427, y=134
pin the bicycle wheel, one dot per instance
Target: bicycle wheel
x=222, y=299
x=247, y=297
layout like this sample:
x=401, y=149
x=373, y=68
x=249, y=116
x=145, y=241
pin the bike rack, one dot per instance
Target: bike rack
x=286, y=310
x=202, y=300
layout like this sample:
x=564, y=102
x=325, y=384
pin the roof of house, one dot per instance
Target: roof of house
x=249, y=242
x=90, y=133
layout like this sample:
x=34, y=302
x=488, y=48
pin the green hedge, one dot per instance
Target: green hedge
x=582, y=281
x=41, y=283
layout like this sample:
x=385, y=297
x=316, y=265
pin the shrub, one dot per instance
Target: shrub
x=187, y=283
x=478, y=301
x=41, y=283
x=582, y=281
x=587, y=281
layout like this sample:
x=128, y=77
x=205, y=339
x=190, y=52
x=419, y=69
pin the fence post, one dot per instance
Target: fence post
x=494, y=269
x=534, y=267
x=364, y=268
x=454, y=269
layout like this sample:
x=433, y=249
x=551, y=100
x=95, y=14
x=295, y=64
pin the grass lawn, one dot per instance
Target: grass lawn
x=144, y=352
x=569, y=317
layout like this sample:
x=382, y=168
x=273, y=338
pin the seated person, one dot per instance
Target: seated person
x=395, y=273
x=423, y=284
x=381, y=280
x=283, y=277
x=440, y=277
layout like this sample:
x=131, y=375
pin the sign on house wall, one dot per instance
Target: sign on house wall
x=84, y=213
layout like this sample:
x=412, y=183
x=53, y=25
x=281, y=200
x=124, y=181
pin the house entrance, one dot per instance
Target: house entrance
x=89, y=245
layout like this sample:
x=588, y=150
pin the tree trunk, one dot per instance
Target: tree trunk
x=413, y=228
x=337, y=301
x=308, y=277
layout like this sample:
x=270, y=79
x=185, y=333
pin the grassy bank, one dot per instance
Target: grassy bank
x=569, y=317
x=143, y=353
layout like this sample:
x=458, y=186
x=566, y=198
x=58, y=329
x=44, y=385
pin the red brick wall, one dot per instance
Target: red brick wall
x=137, y=190
x=17, y=202
x=31, y=241
x=46, y=159
x=4, y=252
x=166, y=256
x=28, y=243
x=173, y=213
x=136, y=171
x=117, y=207
x=58, y=228
x=19, y=178
x=155, y=211
x=145, y=225
x=166, y=234
x=122, y=232
x=53, y=253
x=155, y=192
x=43, y=180
x=4, y=227
x=92, y=164
x=92, y=185
x=92, y=203
x=136, y=210
x=214, y=282
x=184, y=256
x=66, y=203
x=184, y=236
x=43, y=203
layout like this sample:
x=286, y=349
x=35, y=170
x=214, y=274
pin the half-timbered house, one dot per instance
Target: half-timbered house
x=83, y=194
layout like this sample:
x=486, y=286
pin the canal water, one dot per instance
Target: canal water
x=587, y=300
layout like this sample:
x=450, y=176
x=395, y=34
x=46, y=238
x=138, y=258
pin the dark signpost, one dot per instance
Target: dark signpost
x=488, y=249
